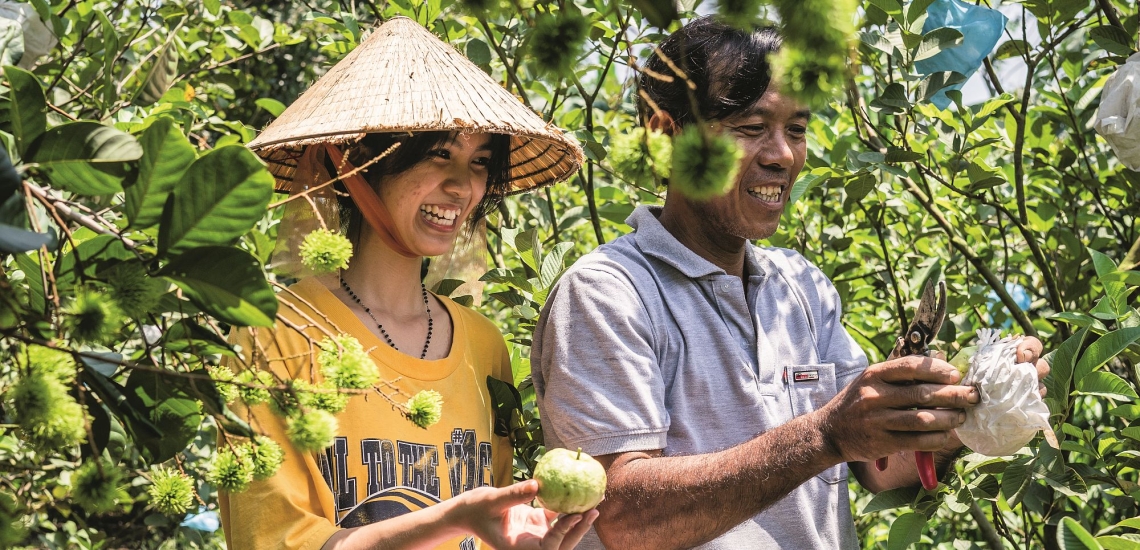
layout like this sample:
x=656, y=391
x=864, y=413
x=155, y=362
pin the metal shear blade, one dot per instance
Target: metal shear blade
x=926, y=323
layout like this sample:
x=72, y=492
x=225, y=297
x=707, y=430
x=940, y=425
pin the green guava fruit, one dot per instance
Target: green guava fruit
x=569, y=482
x=962, y=360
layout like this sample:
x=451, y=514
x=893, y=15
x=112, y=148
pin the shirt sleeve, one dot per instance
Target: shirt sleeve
x=285, y=510
x=596, y=374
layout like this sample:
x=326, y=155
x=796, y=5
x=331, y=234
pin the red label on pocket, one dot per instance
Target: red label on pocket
x=805, y=376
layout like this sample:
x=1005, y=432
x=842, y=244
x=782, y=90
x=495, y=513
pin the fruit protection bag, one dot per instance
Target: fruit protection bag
x=1011, y=411
x=981, y=27
x=1118, y=118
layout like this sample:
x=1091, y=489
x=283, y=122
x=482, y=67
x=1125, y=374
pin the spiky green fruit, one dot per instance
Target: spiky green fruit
x=639, y=155
x=557, y=39
x=49, y=418
x=52, y=362
x=742, y=14
x=230, y=471
x=267, y=456
x=345, y=363
x=171, y=491
x=12, y=529
x=133, y=290
x=92, y=317
x=705, y=163
x=324, y=251
x=812, y=62
x=221, y=375
x=425, y=408
x=324, y=396
x=95, y=486
x=313, y=431
x=256, y=392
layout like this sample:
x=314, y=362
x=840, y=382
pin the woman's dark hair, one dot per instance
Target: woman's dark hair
x=728, y=66
x=413, y=149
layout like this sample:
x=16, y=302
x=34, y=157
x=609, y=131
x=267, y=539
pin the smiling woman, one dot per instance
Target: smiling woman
x=367, y=151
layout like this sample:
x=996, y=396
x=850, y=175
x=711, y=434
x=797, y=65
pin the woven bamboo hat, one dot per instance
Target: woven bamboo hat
x=404, y=79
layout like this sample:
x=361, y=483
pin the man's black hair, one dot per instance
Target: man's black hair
x=728, y=66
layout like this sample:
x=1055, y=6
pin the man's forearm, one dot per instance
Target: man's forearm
x=684, y=501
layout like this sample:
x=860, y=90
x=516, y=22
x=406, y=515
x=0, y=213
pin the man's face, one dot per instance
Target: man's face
x=772, y=134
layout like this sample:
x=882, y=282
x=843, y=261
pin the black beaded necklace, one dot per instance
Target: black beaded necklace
x=355, y=298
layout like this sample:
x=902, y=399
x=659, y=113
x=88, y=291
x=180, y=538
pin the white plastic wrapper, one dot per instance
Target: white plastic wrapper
x=1118, y=118
x=1011, y=411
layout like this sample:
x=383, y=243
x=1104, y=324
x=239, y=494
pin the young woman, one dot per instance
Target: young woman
x=384, y=482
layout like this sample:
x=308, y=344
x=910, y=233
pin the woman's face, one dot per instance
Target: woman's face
x=431, y=201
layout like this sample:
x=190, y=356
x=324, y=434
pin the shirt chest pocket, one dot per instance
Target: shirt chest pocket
x=810, y=387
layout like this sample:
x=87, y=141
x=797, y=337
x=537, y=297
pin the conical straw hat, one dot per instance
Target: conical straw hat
x=402, y=78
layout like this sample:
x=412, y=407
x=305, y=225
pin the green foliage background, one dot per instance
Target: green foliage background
x=125, y=151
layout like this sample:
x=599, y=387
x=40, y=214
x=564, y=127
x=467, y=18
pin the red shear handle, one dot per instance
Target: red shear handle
x=926, y=472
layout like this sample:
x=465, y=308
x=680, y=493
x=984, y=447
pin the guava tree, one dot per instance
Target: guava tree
x=135, y=230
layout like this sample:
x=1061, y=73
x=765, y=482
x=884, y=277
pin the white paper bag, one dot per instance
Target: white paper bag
x=1118, y=118
x=1011, y=411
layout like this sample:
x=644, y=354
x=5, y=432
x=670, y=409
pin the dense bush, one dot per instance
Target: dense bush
x=114, y=317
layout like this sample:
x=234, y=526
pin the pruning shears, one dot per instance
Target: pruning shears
x=916, y=341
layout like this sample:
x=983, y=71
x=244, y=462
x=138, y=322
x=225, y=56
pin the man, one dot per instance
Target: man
x=712, y=378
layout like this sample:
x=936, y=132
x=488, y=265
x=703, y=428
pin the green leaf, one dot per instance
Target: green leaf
x=552, y=264
x=1011, y=48
x=1112, y=40
x=225, y=282
x=160, y=78
x=176, y=413
x=1106, y=384
x=660, y=13
x=888, y=500
x=1114, y=542
x=110, y=53
x=1105, y=348
x=166, y=157
x=859, y=187
x=1127, y=412
x=935, y=41
x=506, y=401
x=803, y=185
x=1133, y=523
x=936, y=82
x=84, y=157
x=14, y=239
x=916, y=9
x=446, y=286
x=1060, y=378
x=902, y=155
x=114, y=397
x=222, y=195
x=26, y=107
x=905, y=531
x=478, y=52
x=10, y=181
x=1072, y=536
x=271, y=105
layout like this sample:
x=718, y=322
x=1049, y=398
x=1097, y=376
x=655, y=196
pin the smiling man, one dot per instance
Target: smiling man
x=712, y=377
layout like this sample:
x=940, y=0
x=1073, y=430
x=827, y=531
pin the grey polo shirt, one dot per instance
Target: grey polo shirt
x=644, y=345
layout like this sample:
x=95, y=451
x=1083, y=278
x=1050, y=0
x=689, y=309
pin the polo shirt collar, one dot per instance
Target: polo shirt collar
x=656, y=241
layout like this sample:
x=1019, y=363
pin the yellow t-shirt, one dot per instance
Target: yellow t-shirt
x=381, y=465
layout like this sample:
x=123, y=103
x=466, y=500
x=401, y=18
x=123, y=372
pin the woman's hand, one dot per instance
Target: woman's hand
x=504, y=520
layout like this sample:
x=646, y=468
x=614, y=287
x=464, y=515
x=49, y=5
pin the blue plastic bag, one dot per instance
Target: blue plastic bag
x=206, y=521
x=981, y=29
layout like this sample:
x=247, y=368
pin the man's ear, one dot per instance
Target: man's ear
x=662, y=122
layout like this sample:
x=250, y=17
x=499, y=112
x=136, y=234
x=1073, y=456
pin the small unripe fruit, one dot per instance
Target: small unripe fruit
x=569, y=482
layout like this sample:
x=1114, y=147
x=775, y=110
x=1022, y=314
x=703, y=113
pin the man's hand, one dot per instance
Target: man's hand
x=1029, y=351
x=904, y=404
x=504, y=520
